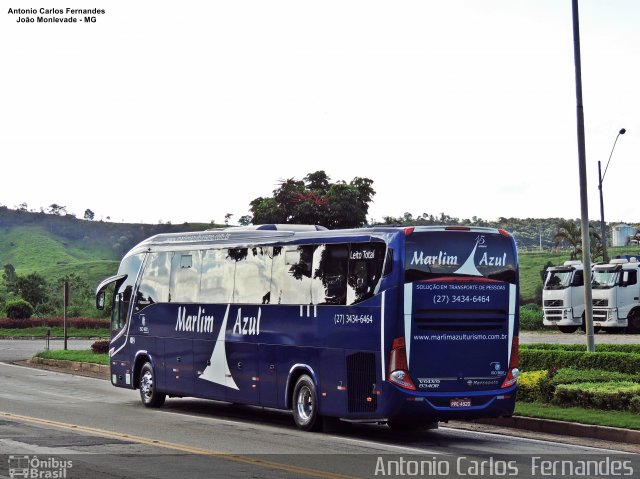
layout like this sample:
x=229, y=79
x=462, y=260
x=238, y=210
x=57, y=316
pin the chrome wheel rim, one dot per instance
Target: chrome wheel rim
x=146, y=385
x=305, y=404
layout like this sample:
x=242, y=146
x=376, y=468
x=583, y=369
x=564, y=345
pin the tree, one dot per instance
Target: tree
x=89, y=215
x=9, y=275
x=32, y=288
x=245, y=220
x=315, y=200
x=56, y=209
x=569, y=232
x=227, y=217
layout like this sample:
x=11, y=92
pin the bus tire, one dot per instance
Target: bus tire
x=149, y=395
x=305, y=404
x=568, y=329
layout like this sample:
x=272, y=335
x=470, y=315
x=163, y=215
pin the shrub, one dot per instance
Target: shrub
x=601, y=348
x=616, y=396
x=84, y=323
x=536, y=359
x=19, y=309
x=531, y=318
x=100, y=347
x=572, y=376
x=529, y=385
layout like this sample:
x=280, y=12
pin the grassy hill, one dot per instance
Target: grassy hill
x=55, y=246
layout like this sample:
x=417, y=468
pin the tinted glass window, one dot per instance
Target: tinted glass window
x=578, y=278
x=185, y=277
x=216, y=280
x=329, y=281
x=253, y=275
x=632, y=278
x=123, y=291
x=154, y=284
x=365, y=269
x=451, y=253
x=291, y=274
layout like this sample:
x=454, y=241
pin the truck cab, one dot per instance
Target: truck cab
x=563, y=296
x=616, y=295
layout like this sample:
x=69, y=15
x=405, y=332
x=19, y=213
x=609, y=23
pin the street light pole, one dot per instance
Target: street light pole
x=603, y=228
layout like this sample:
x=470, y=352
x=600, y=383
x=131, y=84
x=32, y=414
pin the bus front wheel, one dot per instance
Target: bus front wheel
x=305, y=404
x=148, y=392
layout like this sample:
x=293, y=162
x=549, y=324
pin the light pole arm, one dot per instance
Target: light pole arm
x=610, y=155
x=603, y=228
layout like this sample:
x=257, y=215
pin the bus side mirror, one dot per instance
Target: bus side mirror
x=100, y=300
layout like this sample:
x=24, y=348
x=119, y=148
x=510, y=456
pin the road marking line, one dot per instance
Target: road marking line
x=179, y=447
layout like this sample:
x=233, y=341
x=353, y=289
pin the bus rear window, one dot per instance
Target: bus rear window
x=429, y=255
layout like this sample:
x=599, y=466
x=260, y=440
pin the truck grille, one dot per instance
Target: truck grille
x=553, y=303
x=600, y=302
x=599, y=315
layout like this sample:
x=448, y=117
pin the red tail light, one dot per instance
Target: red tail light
x=512, y=375
x=408, y=231
x=503, y=233
x=398, y=367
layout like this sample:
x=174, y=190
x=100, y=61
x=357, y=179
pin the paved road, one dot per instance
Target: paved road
x=106, y=433
x=17, y=349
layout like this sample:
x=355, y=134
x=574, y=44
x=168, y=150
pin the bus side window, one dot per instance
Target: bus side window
x=365, y=270
x=330, y=264
x=253, y=276
x=216, y=280
x=154, y=284
x=185, y=277
x=291, y=274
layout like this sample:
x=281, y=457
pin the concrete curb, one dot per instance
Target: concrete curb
x=563, y=428
x=100, y=370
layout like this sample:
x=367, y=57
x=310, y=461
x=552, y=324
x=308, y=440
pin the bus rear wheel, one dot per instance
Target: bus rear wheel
x=148, y=393
x=305, y=404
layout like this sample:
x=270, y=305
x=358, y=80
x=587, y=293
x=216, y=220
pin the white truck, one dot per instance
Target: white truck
x=616, y=295
x=563, y=297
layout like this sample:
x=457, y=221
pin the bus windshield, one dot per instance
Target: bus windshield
x=431, y=255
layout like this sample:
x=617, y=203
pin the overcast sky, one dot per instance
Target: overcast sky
x=186, y=111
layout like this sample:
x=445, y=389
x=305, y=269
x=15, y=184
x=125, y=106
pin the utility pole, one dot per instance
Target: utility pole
x=584, y=205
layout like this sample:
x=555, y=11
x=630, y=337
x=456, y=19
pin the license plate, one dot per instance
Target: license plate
x=465, y=402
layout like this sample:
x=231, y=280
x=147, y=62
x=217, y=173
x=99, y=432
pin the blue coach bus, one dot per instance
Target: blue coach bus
x=407, y=326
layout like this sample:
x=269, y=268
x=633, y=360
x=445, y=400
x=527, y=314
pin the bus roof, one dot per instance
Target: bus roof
x=289, y=233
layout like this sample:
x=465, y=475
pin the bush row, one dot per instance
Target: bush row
x=604, y=348
x=542, y=385
x=614, y=396
x=552, y=359
x=83, y=323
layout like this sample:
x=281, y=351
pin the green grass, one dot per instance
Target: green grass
x=627, y=420
x=41, y=331
x=86, y=356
